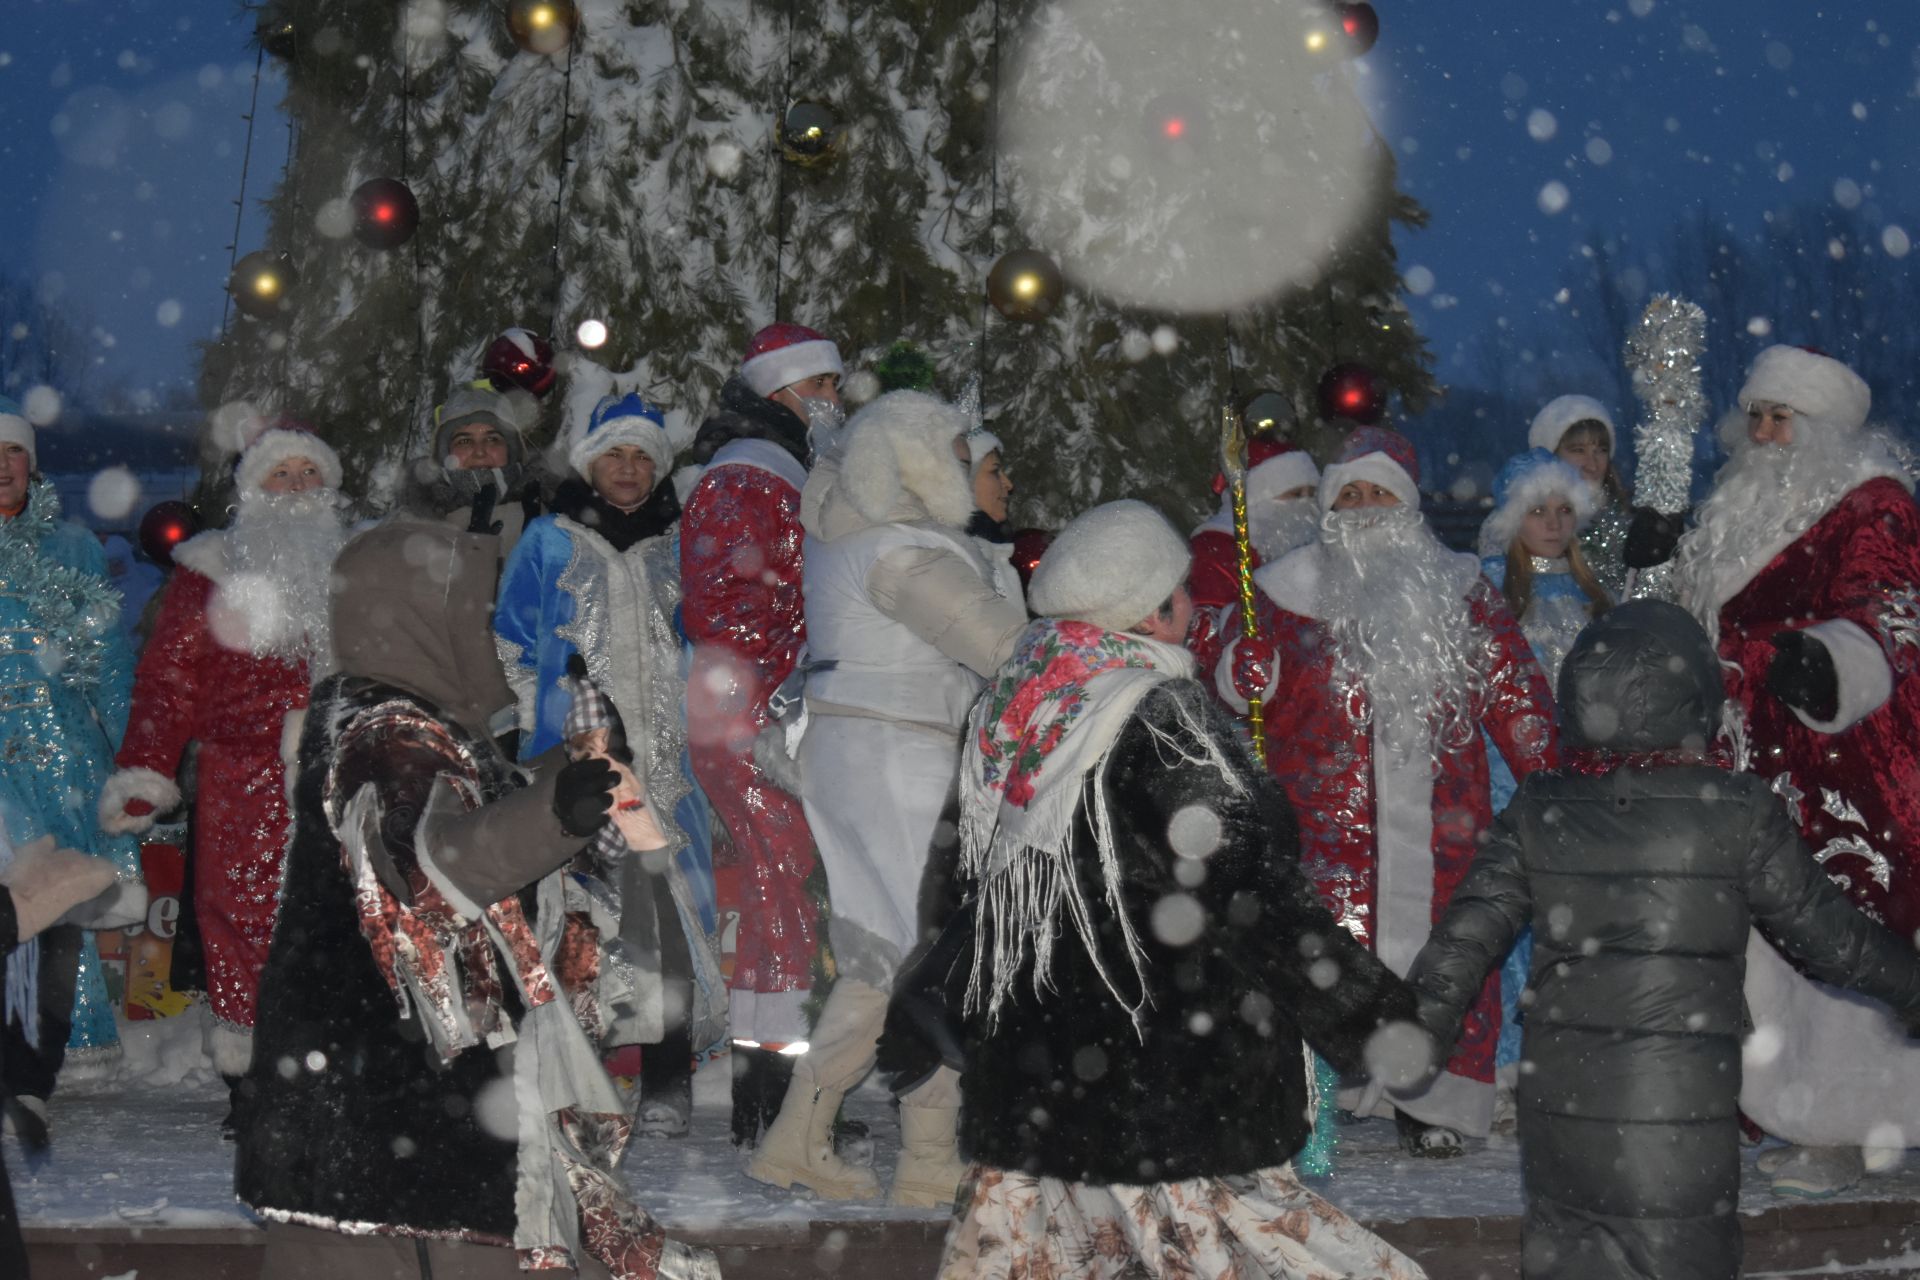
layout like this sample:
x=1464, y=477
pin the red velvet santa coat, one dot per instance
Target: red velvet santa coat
x=740, y=541
x=190, y=687
x=1214, y=579
x=1853, y=581
x=1357, y=823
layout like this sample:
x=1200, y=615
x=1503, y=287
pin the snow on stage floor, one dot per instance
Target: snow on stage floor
x=141, y=1148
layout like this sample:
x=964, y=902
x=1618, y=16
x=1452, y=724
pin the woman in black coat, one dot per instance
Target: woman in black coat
x=1640, y=867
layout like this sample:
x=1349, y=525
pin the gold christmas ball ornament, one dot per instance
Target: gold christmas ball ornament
x=542, y=26
x=810, y=133
x=261, y=282
x=1025, y=285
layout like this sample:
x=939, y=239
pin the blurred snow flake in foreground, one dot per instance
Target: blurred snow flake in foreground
x=1896, y=241
x=1234, y=190
x=113, y=493
x=42, y=405
x=1398, y=1054
x=168, y=313
x=1541, y=124
x=1554, y=198
x=1763, y=1046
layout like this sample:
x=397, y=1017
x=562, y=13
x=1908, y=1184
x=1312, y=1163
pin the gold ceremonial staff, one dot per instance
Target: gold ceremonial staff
x=1233, y=465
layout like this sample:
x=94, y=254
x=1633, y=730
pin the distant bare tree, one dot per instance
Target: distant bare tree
x=40, y=342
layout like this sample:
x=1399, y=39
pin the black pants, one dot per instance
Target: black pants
x=24, y=1070
x=666, y=1069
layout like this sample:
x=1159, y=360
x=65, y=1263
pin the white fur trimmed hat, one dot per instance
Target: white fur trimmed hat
x=1558, y=416
x=782, y=354
x=1526, y=481
x=1812, y=384
x=16, y=429
x=900, y=447
x=270, y=443
x=1288, y=469
x=981, y=444
x=1112, y=566
x=621, y=420
x=1377, y=455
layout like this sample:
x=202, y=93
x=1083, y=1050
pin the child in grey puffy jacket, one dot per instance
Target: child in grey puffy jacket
x=1640, y=866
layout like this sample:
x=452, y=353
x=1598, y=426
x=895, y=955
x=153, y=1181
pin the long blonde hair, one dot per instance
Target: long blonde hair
x=1519, y=587
x=1592, y=431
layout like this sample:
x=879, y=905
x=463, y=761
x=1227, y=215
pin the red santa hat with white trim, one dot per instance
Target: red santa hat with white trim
x=1376, y=455
x=263, y=443
x=1811, y=383
x=1274, y=466
x=783, y=354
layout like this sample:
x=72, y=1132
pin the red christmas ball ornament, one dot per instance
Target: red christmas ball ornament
x=1352, y=391
x=165, y=526
x=1360, y=23
x=522, y=359
x=1028, y=546
x=385, y=214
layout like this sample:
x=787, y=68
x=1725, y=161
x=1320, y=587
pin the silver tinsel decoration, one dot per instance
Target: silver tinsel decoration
x=1663, y=353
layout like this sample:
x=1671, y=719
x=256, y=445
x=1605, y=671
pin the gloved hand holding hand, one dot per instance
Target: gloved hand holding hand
x=1255, y=664
x=46, y=882
x=1803, y=675
x=583, y=795
x=1651, y=538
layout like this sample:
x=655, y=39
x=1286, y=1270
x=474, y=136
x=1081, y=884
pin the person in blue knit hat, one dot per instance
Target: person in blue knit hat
x=1530, y=548
x=599, y=579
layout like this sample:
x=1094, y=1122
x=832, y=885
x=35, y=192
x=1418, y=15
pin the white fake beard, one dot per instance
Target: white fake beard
x=276, y=598
x=1395, y=602
x=1763, y=500
x=1282, y=526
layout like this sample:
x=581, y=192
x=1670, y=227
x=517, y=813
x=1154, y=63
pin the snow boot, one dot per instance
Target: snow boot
x=1818, y=1172
x=26, y=1119
x=797, y=1148
x=1429, y=1141
x=230, y=1123
x=930, y=1169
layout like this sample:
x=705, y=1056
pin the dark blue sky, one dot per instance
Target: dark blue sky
x=122, y=145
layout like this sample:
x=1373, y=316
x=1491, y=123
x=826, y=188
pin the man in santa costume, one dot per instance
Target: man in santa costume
x=1282, y=484
x=1383, y=659
x=241, y=633
x=740, y=557
x=1804, y=565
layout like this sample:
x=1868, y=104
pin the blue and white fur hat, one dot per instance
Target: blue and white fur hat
x=617, y=420
x=15, y=429
x=1527, y=480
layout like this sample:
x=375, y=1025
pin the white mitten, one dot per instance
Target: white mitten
x=46, y=883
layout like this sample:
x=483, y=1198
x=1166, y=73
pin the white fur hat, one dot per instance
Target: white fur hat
x=1282, y=473
x=16, y=429
x=1813, y=385
x=1557, y=417
x=1377, y=455
x=1524, y=483
x=620, y=420
x=981, y=443
x=898, y=453
x=1112, y=566
x=275, y=444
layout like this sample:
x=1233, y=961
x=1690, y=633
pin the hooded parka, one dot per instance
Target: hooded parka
x=1640, y=867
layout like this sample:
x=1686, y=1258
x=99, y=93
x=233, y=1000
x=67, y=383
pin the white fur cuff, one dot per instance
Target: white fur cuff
x=135, y=784
x=1866, y=681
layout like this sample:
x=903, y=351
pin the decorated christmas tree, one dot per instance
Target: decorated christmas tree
x=684, y=171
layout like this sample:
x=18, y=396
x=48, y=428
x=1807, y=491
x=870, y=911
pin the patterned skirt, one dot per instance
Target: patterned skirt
x=1015, y=1226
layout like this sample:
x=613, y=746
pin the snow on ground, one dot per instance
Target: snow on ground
x=141, y=1147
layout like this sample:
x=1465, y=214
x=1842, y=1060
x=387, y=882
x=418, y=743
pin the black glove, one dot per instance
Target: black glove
x=483, y=521
x=1651, y=538
x=529, y=503
x=1803, y=675
x=583, y=795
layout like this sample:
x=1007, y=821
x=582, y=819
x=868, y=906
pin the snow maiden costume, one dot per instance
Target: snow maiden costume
x=593, y=581
x=1397, y=665
x=740, y=556
x=1603, y=538
x=427, y=1092
x=1554, y=608
x=1639, y=867
x=242, y=627
x=904, y=620
x=1804, y=565
x=1135, y=893
x=65, y=671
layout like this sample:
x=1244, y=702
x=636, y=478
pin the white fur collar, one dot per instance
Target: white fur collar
x=205, y=554
x=763, y=455
x=1293, y=581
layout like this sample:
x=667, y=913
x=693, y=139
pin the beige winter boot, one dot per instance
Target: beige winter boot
x=928, y=1175
x=797, y=1148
